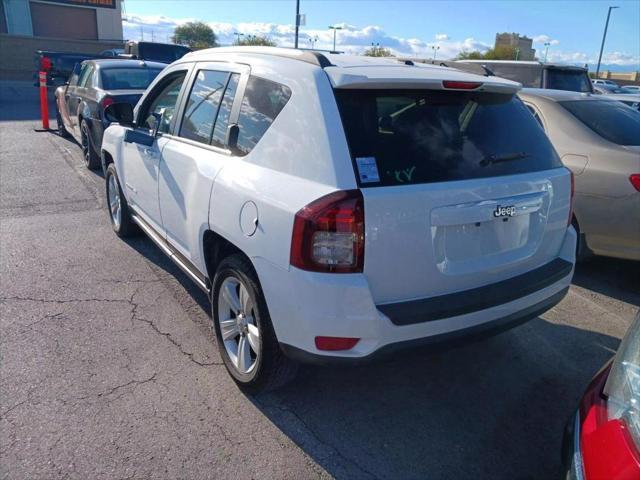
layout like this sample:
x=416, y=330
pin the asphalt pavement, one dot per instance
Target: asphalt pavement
x=109, y=369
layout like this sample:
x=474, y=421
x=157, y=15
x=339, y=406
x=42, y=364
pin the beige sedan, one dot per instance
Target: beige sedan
x=599, y=140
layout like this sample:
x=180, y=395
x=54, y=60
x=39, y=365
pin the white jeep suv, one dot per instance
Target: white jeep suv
x=339, y=207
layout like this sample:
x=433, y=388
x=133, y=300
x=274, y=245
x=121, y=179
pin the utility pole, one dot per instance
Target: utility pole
x=297, y=23
x=334, y=28
x=604, y=36
x=546, y=51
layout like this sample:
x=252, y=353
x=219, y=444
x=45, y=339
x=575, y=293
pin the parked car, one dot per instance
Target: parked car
x=338, y=208
x=58, y=65
x=629, y=89
x=156, y=52
x=602, y=439
x=535, y=74
x=604, y=89
x=113, y=52
x=605, y=83
x=597, y=138
x=96, y=84
x=630, y=99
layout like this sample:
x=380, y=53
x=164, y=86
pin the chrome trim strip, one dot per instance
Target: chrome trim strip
x=166, y=248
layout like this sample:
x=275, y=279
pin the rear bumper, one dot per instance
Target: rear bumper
x=304, y=305
x=447, y=339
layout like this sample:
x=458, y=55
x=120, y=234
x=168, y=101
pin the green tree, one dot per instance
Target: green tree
x=375, y=51
x=195, y=35
x=474, y=55
x=498, y=53
x=259, y=40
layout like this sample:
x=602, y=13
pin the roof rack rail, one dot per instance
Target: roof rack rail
x=314, y=58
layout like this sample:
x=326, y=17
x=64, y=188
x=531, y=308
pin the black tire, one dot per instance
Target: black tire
x=91, y=158
x=272, y=368
x=125, y=227
x=62, y=131
x=583, y=253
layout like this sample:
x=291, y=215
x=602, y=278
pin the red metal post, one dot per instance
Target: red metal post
x=44, y=106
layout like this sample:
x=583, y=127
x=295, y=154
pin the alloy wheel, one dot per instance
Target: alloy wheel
x=238, y=326
x=115, y=206
x=85, y=144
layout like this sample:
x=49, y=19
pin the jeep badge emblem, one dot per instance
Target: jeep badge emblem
x=508, y=211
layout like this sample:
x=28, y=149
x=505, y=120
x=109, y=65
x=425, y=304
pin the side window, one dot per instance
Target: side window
x=85, y=73
x=75, y=75
x=263, y=100
x=222, y=122
x=166, y=99
x=535, y=115
x=202, y=106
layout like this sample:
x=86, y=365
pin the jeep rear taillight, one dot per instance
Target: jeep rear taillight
x=106, y=101
x=634, y=178
x=328, y=234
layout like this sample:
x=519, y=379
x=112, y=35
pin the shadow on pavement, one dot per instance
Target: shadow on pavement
x=619, y=279
x=494, y=408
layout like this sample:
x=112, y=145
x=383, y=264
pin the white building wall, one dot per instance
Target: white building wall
x=110, y=22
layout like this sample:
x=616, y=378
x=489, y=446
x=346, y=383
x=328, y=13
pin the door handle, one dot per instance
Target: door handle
x=150, y=152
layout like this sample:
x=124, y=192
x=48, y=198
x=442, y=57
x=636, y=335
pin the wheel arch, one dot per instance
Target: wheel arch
x=216, y=248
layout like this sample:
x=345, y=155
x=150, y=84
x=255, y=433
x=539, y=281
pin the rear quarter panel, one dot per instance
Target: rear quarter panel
x=303, y=156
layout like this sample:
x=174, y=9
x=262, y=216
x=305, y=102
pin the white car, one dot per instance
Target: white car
x=605, y=83
x=337, y=208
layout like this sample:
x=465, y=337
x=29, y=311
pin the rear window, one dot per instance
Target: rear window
x=527, y=75
x=128, y=78
x=161, y=52
x=425, y=136
x=566, y=79
x=612, y=120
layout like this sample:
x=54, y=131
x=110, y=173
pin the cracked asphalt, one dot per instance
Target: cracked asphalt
x=108, y=368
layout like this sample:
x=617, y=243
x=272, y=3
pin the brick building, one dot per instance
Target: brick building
x=514, y=40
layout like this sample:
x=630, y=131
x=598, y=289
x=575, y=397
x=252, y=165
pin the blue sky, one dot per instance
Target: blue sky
x=411, y=27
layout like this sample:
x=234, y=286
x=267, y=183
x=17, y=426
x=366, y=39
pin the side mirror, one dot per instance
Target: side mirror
x=233, y=132
x=121, y=113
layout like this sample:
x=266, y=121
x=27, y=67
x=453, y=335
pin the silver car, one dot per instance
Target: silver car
x=599, y=140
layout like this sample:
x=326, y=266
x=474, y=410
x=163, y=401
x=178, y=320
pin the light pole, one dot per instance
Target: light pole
x=546, y=50
x=604, y=36
x=312, y=41
x=297, y=23
x=517, y=53
x=238, y=35
x=435, y=49
x=334, y=28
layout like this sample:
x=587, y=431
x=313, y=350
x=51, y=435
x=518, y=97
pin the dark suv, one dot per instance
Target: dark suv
x=536, y=74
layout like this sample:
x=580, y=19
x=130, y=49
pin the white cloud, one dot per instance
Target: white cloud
x=544, y=39
x=353, y=39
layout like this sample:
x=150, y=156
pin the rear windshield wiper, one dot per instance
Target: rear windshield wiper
x=491, y=159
